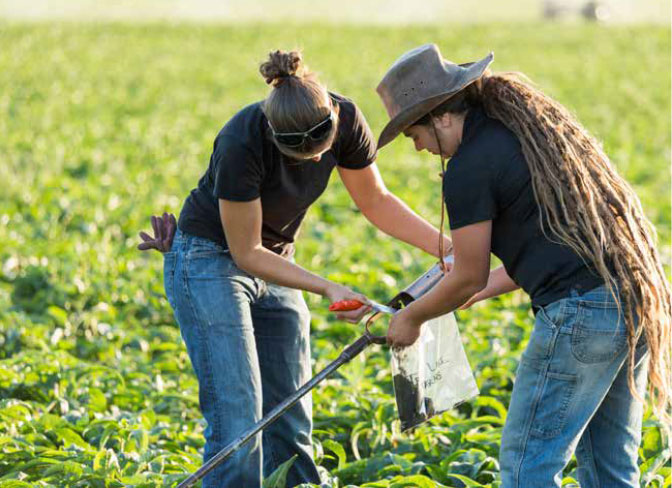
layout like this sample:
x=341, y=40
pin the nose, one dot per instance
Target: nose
x=418, y=146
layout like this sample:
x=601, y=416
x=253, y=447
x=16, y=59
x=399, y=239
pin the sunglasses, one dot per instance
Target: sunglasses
x=316, y=133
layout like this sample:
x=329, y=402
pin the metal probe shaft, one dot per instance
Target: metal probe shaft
x=346, y=355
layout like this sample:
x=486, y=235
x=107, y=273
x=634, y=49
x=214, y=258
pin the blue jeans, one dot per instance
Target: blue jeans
x=571, y=396
x=248, y=342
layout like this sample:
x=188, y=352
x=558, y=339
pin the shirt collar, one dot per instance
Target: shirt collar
x=473, y=122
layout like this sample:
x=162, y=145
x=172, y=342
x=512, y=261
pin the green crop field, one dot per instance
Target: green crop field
x=105, y=124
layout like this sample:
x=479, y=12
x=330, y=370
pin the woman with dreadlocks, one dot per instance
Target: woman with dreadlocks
x=528, y=183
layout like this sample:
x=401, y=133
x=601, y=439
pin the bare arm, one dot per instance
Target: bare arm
x=242, y=223
x=499, y=282
x=387, y=212
x=467, y=277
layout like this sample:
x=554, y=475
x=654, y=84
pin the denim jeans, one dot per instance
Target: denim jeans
x=571, y=396
x=248, y=342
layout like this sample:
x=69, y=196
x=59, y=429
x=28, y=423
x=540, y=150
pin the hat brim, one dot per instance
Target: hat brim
x=404, y=119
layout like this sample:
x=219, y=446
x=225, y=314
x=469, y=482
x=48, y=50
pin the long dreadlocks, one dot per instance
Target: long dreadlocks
x=589, y=207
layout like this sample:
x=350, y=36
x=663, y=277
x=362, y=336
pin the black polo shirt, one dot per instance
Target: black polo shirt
x=245, y=164
x=488, y=179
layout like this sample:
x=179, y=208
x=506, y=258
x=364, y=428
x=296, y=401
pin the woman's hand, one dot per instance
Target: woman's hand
x=475, y=298
x=337, y=293
x=404, y=329
x=164, y=230
x=499, y=282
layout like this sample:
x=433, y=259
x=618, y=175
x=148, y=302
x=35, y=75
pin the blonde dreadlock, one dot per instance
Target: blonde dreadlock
x=590, y=208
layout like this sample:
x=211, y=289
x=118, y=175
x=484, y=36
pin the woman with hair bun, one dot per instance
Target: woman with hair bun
x=229, y=274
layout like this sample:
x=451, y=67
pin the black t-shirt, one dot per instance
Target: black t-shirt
x=246, y=164
x=488, y=179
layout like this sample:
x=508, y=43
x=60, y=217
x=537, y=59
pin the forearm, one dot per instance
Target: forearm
x=396, y=219
x=446, y=296
x=270, y=267
x=499, y=282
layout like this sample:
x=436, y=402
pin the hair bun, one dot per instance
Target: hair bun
x=281, y=65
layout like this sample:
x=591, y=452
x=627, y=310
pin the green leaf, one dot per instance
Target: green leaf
x=652, y=443
x=70, y=437
x=468, y=482
x=490, y=402
x=97, y=400
x=337, y=449
x=437, y=473
x=415, y=481
x=99, y=459
x=278, y=479
x=58, y=314
x=14, y=484
x=65, y=469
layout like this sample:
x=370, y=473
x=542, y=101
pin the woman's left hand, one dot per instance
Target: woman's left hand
x=354, y=316
x=404, y=329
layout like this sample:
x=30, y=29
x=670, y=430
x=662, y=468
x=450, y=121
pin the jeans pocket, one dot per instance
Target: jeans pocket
x=169, y=260
x=551, y=411
x=209, y=263
x=199, y=246
x=599, y=334
x=542, y=336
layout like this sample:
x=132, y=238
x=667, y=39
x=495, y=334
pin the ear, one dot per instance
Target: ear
x=445, y=121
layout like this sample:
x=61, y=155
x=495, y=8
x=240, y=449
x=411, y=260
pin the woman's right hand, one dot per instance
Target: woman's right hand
x=336, y=293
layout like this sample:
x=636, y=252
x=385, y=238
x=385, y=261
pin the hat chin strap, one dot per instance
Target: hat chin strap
x=443, y=210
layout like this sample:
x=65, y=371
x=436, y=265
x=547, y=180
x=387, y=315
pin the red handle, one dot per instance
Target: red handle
x=345, y=306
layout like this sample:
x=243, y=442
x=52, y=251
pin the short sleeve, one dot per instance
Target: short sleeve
x=237, y=173
x=358, y=146
x=469, y=191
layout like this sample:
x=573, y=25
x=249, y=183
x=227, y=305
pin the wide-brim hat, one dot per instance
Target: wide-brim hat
x=418, y=82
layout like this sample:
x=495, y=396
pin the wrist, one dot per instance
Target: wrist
x=324, y=287
x=415, y=313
